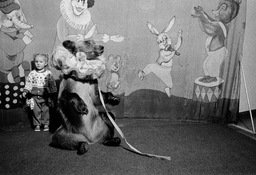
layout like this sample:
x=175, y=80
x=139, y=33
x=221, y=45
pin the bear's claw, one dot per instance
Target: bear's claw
x=82, y=148
x=113, y=142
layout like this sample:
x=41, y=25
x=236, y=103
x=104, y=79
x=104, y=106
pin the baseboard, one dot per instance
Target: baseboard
x=246, y=114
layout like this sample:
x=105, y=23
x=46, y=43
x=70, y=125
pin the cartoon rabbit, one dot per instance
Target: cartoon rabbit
x=163, y=66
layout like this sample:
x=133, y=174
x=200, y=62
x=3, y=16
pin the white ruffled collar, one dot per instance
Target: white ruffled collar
x=83, y=67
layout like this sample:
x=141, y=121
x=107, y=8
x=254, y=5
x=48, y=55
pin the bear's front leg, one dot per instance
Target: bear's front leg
x=115, y=141
x=73, y=100
x=73, y=108
x=109, y=139
x=82, y=148
x=109, y=98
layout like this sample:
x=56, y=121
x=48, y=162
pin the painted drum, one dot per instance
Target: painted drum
x=207, y=92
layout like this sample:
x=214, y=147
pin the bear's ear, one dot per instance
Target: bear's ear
x=70, y=46
x=58, y=54
x=118, y=58
x=110, y=57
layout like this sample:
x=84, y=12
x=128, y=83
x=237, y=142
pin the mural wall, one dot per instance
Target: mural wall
x=174, y=59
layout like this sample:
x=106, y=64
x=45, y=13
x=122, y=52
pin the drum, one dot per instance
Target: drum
x=207, y=92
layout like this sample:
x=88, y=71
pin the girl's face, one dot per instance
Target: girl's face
x=40, y=62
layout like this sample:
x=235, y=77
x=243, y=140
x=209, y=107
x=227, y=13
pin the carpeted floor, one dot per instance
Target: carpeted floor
x=194, y=149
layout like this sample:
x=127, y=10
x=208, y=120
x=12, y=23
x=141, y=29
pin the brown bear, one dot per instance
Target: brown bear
x=84, y=119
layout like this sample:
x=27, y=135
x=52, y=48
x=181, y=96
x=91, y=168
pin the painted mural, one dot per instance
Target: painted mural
x=208, y=88
x=163, y=66
x=172, y=59
x=114, y=65
x=14, y=37
x=76, y=23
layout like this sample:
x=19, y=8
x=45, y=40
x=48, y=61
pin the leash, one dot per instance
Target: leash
x=122, y=135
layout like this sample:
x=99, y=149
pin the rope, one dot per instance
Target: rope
x=122, y=135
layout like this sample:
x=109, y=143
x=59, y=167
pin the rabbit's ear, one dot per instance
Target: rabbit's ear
x=111, y=57
x=152, y=29
x=171, y=23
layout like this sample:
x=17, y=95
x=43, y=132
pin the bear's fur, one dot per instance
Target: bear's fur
x=84, y=120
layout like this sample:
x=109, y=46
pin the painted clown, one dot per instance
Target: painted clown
x=76, y=23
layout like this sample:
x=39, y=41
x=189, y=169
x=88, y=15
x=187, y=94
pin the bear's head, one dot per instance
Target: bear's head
x=113, y=64
x=227, y=10
x=88, y=47
x=82, y=60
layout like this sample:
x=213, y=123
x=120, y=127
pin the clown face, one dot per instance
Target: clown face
x=79, y=6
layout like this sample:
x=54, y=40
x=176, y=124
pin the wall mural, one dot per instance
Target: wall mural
x=14, y=37
x=209, y=87
x=76, y=24
x=114, y=65
x=164, y=59
x=163, y=66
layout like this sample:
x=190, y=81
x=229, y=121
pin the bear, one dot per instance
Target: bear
x=216, y=29
x=84, y=119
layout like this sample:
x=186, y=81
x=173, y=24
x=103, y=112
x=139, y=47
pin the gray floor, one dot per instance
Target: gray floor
x=195, y=148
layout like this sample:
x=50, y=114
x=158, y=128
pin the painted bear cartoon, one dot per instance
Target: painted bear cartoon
x=113, y=65
x=216, y=29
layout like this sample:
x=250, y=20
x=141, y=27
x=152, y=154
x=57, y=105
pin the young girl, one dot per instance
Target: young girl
x=40, y=86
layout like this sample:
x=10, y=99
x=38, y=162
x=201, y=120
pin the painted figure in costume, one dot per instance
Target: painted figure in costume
x=163, y=66
x=216, y=30
x=76, y=23
x=14, y=37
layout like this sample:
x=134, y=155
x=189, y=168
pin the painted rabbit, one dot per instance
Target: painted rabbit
x=163, y=66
